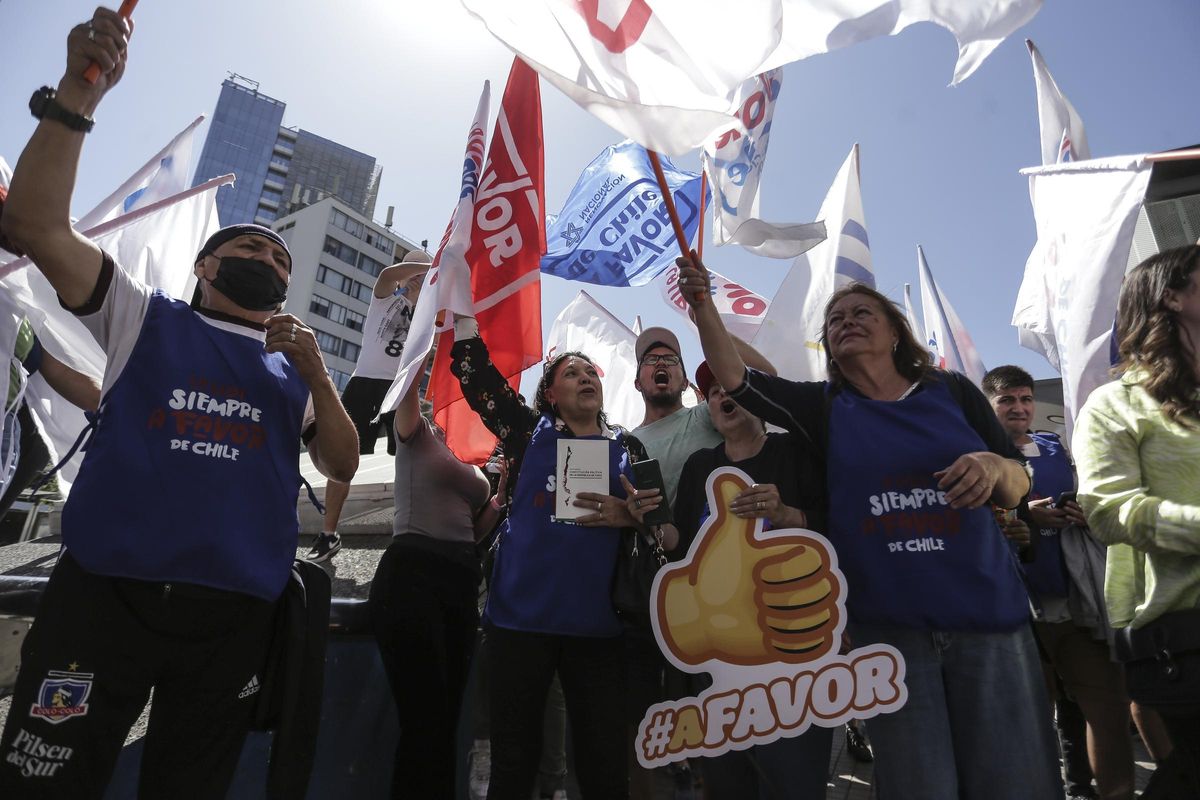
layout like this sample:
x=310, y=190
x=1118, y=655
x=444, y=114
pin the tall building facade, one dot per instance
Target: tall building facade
x=337, y=253
x=279, y=170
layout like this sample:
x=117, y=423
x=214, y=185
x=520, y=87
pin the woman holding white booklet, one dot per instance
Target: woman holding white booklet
x=550, y=604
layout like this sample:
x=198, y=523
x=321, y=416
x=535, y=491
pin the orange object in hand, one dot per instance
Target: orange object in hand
x=92, y=73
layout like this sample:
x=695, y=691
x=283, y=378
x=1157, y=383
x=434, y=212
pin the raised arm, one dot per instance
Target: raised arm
x=37, y=214
x=486, y=391
x=408, y=413
x=395, y=276
x=725, y=358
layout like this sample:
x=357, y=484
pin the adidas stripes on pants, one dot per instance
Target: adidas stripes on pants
x=97, y=647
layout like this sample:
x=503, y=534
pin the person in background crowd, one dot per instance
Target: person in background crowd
x=384, y=334
x=671, y=433
x=789, y=492
x=175, y=592
x=939, y=584
x=1067, y=575
x=423, y=598
x=1137, y=445
x=550, y=604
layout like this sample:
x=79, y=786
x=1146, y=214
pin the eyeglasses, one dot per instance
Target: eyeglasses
x=654, y=359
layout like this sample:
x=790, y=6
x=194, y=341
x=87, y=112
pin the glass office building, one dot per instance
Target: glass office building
x=279, y=170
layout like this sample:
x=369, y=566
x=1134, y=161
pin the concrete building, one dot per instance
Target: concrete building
x=337, y=253
x=279, y=170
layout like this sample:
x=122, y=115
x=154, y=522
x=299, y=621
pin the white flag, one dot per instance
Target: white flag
x=790, y=332
x=947, y=336
x=1085, y=213
x=5, y=173
x=1063, y=137
x=447, y=286
x=918, y=331
x=163, y=176
x=741, y=310
x=734, y=163
x=587, y=327
x=157, y=245
x=667, y=75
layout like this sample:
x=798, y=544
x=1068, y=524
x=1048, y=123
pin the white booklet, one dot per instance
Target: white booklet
x=582, y=467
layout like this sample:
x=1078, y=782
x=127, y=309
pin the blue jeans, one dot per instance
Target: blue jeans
x=976, y=725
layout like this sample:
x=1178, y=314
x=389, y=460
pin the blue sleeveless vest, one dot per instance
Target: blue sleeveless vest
x=549, y=576
x=192, y=474
x=909, y=559
x=1052, y=475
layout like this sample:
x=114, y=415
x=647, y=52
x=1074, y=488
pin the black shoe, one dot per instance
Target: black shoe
x=858, y=746
x=324, y=546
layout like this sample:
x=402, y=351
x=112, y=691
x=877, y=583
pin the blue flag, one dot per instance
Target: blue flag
x=614, y=229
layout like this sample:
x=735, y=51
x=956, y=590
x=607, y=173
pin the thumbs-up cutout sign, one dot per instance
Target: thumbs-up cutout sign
x=741, y=598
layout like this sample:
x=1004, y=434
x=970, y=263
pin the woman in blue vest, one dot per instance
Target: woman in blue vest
x=913, y=457
x=549, y=605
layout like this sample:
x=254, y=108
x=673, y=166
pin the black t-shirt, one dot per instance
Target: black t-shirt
x=787, y=460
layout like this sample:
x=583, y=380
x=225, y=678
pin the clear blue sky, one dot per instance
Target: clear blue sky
x=400, y=79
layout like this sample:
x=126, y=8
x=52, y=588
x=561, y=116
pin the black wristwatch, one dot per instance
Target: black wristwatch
x=43, y=106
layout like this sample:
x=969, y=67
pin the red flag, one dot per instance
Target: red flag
x=507, y=243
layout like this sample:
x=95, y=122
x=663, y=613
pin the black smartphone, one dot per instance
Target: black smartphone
x=647, y=475
x=1066, y=497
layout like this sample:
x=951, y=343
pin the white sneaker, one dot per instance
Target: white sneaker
x=479, y=769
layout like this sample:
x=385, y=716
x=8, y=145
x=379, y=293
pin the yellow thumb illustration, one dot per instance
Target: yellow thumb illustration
x=743, y=599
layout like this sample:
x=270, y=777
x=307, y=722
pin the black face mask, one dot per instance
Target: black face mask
x=250, y=283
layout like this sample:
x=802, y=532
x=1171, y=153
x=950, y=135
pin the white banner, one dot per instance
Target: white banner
x=163, y=176
x=158, y=246
x=947, y=336
x=734, y=163
x=742, y=310
x=667, y=75
x=790, y=333
x=917, y=330
x=587, y=327
x=1085, y=213
x=447, y=287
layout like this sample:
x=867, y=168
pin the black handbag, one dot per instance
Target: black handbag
x=1162, y=660
x=638, y=561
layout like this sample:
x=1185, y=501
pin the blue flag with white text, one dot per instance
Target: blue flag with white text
x=614, y=229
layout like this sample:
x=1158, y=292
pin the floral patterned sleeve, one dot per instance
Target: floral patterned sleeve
x=490, y=396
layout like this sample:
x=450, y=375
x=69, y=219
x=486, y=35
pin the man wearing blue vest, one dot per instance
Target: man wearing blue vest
x=181, y=527
x=1067, y=575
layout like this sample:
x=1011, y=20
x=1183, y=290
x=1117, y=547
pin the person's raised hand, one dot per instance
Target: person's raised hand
x=288, y=335
x=104, y=40
x=694, y=282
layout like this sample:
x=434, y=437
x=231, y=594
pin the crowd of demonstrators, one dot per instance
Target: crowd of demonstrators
x=789, y=492
x=937, y=582
x=176, y=591
x=549, y=605
x=423, y=596
x=1066, y=577
x=1137, y=446
x=384, y=334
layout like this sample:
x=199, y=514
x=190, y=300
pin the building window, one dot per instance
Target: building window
x=354, y=320
x=350, y=351
x=361, y=292
x=335, y=279
x=368, y=264
x=328, y=342
x=319, y=306
x=341, y=251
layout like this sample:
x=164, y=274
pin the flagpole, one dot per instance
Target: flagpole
x=92, y=73
x=669, y=202
x=1175, y=155
x=700, y=230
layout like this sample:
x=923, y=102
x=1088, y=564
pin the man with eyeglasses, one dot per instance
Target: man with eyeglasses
x=669, y=431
